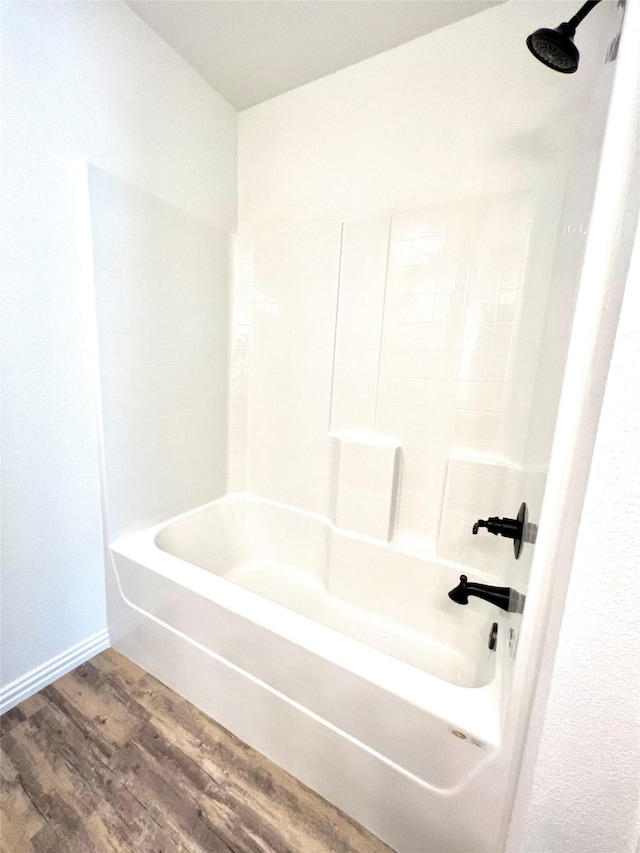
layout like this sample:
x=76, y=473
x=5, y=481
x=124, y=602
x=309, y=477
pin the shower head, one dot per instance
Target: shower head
x=555, y=47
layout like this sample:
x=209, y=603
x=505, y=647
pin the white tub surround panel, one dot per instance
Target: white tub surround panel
x=452, y=343
x=472, y=485
x=356, y=359
x=162, y=308
x=426, y=280
x=292, y=339
x=241, y=319
x=420, y=319
x=503, y=314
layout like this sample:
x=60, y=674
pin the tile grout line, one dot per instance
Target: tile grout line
x=335, y=327
x=384, y=305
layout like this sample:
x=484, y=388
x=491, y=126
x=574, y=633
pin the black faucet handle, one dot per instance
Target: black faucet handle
x=511, y=528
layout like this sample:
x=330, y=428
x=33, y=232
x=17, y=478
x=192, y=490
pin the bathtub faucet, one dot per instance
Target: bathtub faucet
x=502, y=596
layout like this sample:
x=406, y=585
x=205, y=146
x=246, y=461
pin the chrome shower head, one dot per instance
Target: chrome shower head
x=555, y=47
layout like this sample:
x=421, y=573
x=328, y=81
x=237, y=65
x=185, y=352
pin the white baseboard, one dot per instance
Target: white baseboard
x=48, y=672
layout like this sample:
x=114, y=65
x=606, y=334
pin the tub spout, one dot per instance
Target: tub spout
x=502, y=596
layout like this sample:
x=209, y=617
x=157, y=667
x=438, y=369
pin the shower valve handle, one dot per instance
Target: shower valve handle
x=510, y=528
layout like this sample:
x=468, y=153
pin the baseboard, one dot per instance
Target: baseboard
x=55, y=668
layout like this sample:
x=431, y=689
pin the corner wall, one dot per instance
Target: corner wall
x=585, y=793
x=81, y=82
x=579, y=785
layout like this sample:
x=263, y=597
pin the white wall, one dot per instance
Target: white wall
x=81, y=81
x=162, y=285
x=585, y=795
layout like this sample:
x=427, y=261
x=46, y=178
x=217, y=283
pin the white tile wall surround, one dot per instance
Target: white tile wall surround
x=241, y=319
x=363, y=267
x=161, y=300
x=366, y=483
x=426, y=282
x=348, y=163
x=292, y=342
x=409, y=326
x=477, y=488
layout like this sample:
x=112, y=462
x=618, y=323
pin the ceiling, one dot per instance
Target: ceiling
x=252, y=50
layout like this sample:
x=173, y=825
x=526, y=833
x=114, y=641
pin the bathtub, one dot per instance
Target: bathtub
x=346, y=631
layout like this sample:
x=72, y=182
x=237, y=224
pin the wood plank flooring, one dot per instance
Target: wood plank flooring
x=109, y=759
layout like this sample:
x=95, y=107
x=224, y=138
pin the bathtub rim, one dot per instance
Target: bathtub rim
x=473, y=710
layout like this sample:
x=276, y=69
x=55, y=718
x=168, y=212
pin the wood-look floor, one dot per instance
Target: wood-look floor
x=109, y=759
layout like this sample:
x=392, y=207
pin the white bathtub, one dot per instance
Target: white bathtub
x=359, y=637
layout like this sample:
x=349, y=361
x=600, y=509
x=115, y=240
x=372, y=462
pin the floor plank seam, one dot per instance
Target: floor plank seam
x=199, y=813
x=30, y=798
x=220, y=786
x=145, y=810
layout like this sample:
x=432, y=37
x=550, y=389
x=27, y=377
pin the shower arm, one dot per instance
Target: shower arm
x=581, y=14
